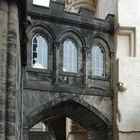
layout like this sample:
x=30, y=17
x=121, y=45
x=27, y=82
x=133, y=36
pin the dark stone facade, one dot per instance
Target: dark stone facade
x=85, y=32
x=30, y=95
x=53, y=92
x=10, y=67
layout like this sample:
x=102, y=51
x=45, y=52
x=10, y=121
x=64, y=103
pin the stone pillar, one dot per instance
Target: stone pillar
x=13, y=74
x=55, y=61
x=85, y=50
x=25, y=135
x=3, y=63
x=68, y=129
x=75, y=5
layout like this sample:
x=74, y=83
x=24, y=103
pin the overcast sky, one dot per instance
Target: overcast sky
x=42, y=2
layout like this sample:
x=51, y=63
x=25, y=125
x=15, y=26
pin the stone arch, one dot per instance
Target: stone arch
x=48, y=33
x=79, y=40
x=107, y=47
x=104, y=39
x=43, y=26
x=96, y=124
x=75, y=34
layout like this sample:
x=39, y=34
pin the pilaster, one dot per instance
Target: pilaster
x=13, y=74
x=3, y=63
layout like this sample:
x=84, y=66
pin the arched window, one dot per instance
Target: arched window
x=39, y=52
x=69, y=56
x=98, y=60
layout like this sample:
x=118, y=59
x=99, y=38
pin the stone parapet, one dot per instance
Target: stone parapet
x=75, y=5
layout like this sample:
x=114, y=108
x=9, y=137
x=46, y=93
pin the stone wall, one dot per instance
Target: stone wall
x=41, y=105
x=105, y=7
x=127, y=43
x=36, y=99
x=13, y=73
x=40, y=136
x=128, y=50
x=128, y=119
x=75, y=5
x=129, y=16
x=53, y=92
x=9, y=70
x=3, y=63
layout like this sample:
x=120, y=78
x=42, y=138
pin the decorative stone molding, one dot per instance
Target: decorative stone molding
x=122, y=87
x=13, y=72
x=130, y=33
x=75, y=5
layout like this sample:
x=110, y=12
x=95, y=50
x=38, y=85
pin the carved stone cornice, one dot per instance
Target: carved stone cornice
x=85, y=18
x=75, y=5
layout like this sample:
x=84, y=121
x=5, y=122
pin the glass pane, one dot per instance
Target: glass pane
x=98, y=68
x=35, y=40
x=40, y=52
x=69, y=56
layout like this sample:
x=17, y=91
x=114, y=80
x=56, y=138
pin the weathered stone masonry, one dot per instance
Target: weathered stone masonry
x=40, y=94
x=3, y=59
x=10, y=65
x=47, y=93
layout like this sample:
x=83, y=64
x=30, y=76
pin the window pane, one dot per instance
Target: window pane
x=40, y=52
x=34, y=47
x=69, y=56
x=98, y=68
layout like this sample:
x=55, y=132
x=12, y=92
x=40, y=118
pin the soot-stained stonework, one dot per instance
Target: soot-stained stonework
x=29, y=95
x=51, y=91
x=84, y=37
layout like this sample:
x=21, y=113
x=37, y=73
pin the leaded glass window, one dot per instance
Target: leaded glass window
x=39, y=52
x=69, y=56
x=98, y=61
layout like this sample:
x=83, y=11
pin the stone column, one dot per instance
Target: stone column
x=25, y=135
x=3, y=63
x=55, y=61
x=13, y=74
x=85, y=49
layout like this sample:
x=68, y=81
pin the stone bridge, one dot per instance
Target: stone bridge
x=52, y=93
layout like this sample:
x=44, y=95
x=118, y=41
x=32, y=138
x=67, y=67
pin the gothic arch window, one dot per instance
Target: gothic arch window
x=98, y=60
x=69, y=56
x=39, y=52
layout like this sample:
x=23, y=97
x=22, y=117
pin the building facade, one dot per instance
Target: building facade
x=69, y=71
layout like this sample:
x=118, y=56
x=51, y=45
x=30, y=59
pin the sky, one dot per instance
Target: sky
x=42, y=2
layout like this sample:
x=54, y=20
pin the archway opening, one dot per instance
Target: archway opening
x=61, y=128
x=64, y=118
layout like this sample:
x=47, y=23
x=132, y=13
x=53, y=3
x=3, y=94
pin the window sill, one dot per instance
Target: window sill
x=30, y=69
x=71, y=74
x=105, y=78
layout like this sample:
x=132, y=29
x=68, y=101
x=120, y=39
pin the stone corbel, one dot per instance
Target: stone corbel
x=121, y=86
